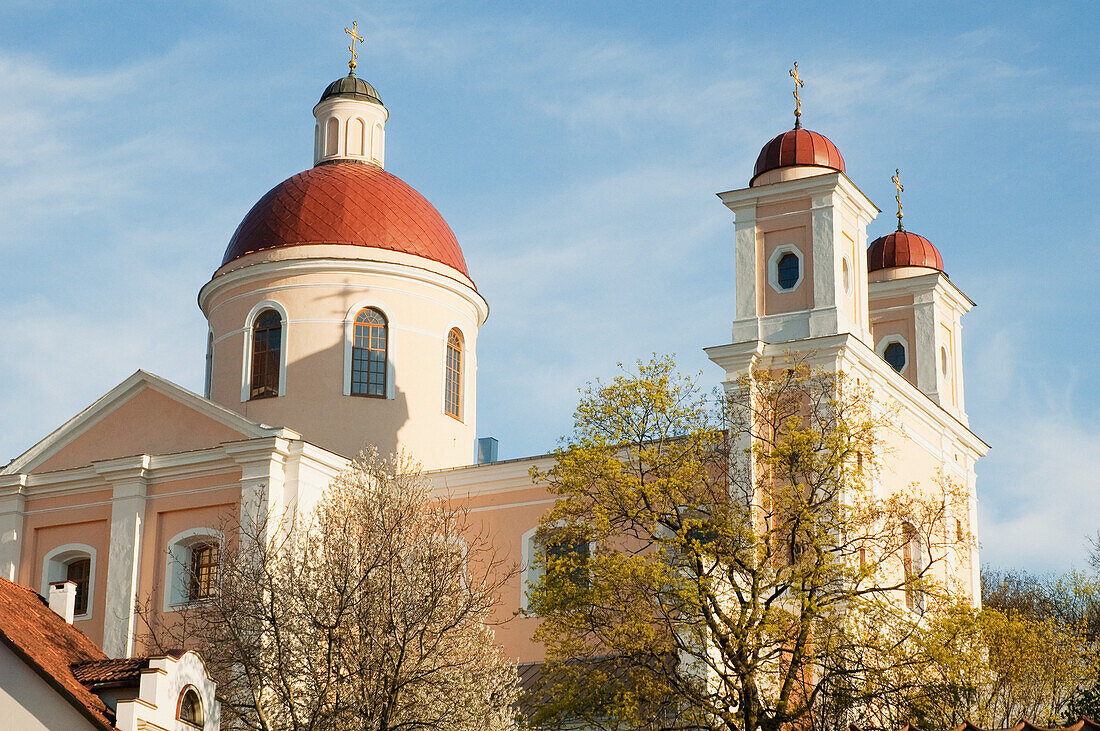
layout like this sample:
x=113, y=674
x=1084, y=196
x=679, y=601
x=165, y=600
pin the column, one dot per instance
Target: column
x=13, y=498
x=128, y=477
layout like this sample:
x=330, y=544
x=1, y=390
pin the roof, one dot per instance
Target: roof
x=903, y=249
x=352, y=87
x=51, y=646
x=798, y=147
x=353, y=204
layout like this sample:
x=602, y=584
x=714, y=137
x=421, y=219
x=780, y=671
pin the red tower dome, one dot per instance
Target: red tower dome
x=903, y=249
x=798, y=147
x=348, y=204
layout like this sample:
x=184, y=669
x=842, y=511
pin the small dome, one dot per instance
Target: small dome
x=352, y=87
x=903, y=249
x=798, y=147
x=349, y=204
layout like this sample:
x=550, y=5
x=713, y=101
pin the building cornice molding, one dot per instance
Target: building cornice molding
x=327, y=265
x=809, y=187
x=832, y=348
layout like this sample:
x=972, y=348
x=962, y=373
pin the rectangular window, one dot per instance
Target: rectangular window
x=80, y=573
x=204, y=572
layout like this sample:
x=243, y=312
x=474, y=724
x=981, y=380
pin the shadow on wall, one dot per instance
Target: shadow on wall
x=315, y=406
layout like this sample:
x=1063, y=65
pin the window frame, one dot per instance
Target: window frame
x=178, y=566
x=773, y=268
x=889, y=340
x=55, y=568
x=349, y=345
x=912, y=566
x=190, y=689
x=385, y=327
x=249, y=329
x=531, y=568
x=459, y=388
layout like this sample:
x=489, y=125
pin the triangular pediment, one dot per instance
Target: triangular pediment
x=145, y=414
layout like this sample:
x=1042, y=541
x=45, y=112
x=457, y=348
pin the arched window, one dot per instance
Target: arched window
x=192, y=567
x=203, y=579
x=267, y=343
x=368, y=354
x=190, y=707
x=452, y=388
x=332, y=136
x=356, y=130
x=911, y=558
x=73, y=562
x=376, y=143
x=79, y=571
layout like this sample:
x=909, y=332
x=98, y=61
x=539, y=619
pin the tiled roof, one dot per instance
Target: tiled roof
x=903, y=249
x=1084, y=724
x=347, y=203
x=110, y=671
x=50, y=646
x=798, y=147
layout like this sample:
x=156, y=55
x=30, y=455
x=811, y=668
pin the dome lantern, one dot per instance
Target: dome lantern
x=351, y=119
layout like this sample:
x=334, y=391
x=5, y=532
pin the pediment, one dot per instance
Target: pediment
x=145, y=414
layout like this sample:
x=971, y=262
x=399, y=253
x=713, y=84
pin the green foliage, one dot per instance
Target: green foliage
x=744, y=573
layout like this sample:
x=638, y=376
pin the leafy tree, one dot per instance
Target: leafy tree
x=739, y=569
x=369, y=613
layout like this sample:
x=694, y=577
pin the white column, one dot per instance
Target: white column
x=13, y=498
x=263, y=477
x=128, y=477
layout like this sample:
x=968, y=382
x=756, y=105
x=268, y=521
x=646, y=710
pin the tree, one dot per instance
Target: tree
x=730, y=565
x=369, y=613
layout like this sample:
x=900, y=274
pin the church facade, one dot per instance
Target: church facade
x=343, y=315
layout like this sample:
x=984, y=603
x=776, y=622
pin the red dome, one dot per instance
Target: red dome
x=798, y=147
x=902, y=249
x=347, y=203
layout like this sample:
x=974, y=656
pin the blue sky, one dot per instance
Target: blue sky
x=575, y=149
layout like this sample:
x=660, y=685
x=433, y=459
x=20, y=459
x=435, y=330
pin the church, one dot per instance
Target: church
x=343, y=315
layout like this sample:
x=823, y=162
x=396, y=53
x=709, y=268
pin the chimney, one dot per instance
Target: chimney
x=63, y=599
x=486, y=450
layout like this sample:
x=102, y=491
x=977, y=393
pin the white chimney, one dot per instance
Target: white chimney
x=63, y=599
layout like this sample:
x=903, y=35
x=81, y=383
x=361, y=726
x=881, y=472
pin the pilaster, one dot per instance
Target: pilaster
x=128, y=477
x=263, y=481
x=13, y=499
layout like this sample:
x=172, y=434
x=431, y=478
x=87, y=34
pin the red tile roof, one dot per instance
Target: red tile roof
x=903, y=249
x=50, y=646
x=798, y=147
x=347, y=203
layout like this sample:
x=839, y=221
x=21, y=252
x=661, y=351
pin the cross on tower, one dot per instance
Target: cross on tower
x=897, y=184
x=797, y=100
x=353, y=31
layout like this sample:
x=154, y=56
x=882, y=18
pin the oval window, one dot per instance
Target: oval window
x=895, y=356
x=787, y=274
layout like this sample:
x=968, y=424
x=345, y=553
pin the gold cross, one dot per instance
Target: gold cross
x=897, y=184
x=353, y=32
x=797, y=101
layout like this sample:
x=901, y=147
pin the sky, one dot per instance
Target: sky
x=575, y=149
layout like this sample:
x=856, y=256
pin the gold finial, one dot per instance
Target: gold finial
x=897, y=184
x=797, y=100
x=353, y=32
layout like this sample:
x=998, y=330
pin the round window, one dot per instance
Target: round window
x=846, y=276
x=787, y=274
x=190, y=707
x=895, y=356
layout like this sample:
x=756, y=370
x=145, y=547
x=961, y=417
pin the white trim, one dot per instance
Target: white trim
x=246, y=375
x=463, y=379
x=773, y=267
x=349, y=341
x=528, y=572
x=886, y=342
x=58, y=559
x=178, y=560
x=116, y=397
